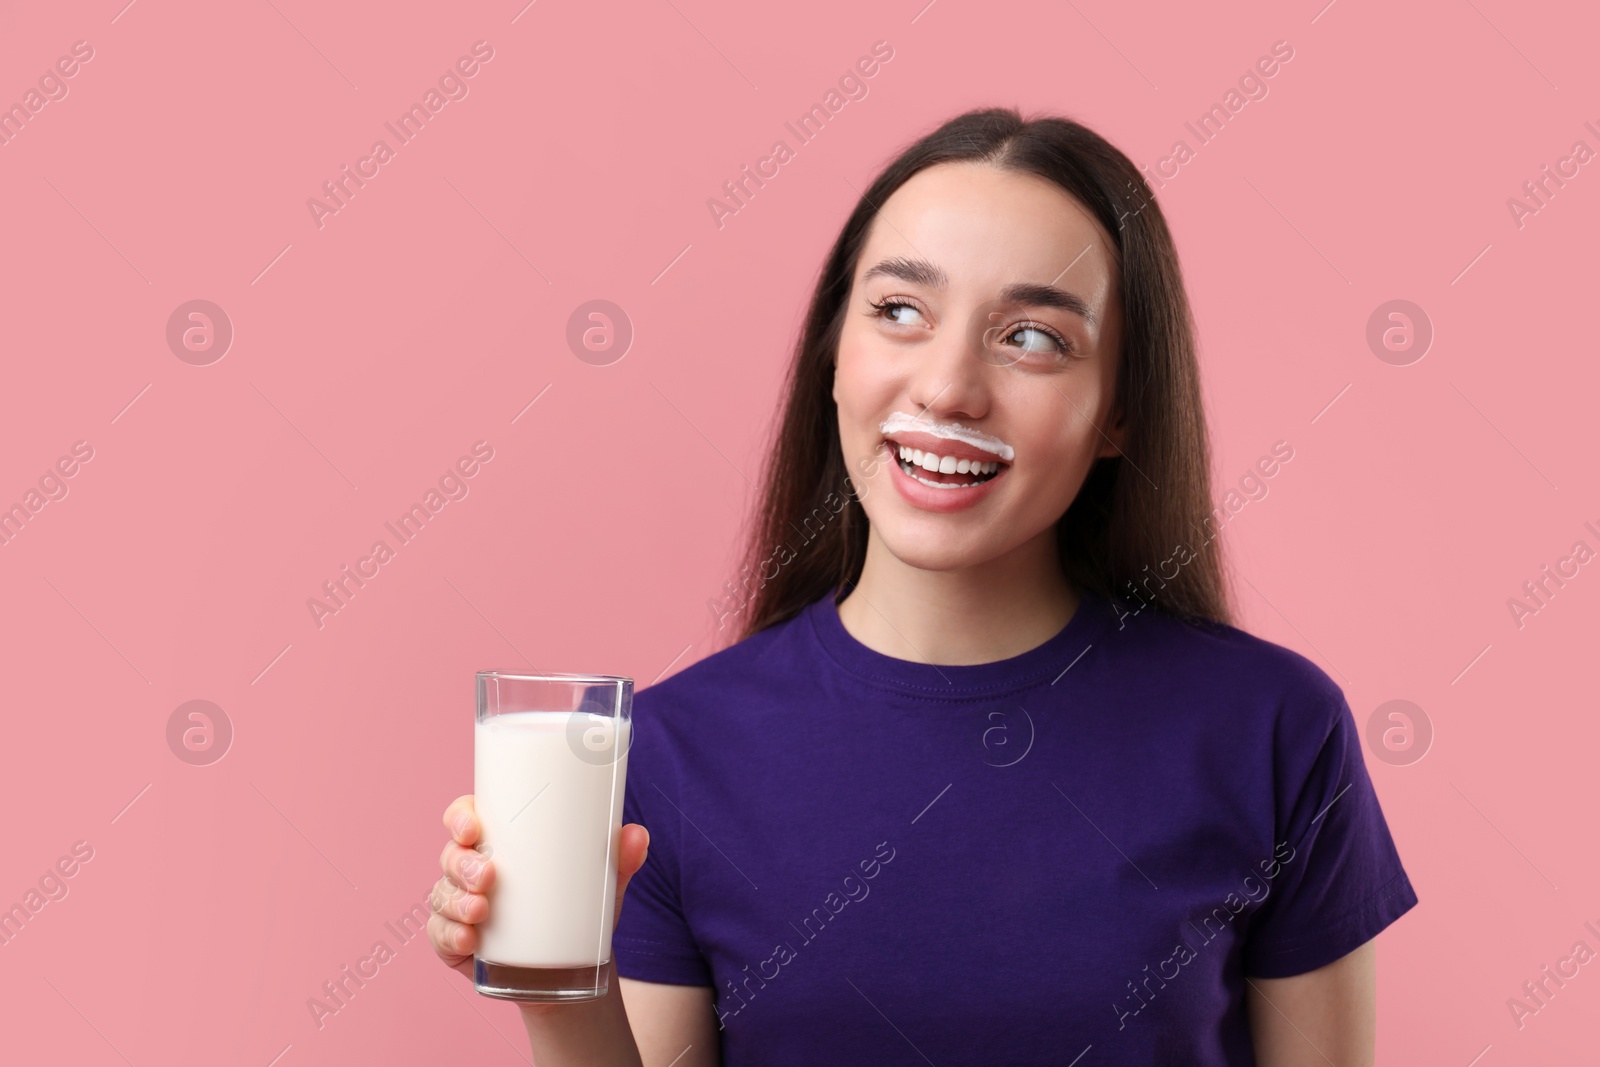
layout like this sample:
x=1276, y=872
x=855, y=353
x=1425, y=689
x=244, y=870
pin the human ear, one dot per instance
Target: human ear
x=1115, y=432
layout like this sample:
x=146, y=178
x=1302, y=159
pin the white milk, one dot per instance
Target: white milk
x=555, y=859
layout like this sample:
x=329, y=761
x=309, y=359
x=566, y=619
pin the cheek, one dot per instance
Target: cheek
x=1060, y=452
x=861, y=385
x=853, y=356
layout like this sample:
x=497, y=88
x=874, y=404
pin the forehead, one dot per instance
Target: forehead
x=986, y=227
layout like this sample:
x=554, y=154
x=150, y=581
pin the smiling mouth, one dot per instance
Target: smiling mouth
x=944, y=471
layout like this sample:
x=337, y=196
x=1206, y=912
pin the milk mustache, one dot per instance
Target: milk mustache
x=551, y=826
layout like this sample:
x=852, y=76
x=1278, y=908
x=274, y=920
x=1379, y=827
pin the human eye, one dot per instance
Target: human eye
x=1044, y=339
x=889, y=307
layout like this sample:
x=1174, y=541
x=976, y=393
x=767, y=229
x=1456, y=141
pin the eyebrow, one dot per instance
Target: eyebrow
x=1032, y=294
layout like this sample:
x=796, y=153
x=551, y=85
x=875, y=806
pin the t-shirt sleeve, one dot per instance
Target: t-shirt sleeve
x=653, y=941
x=1343, y=882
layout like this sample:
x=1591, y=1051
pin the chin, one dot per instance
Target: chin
x=931, y=549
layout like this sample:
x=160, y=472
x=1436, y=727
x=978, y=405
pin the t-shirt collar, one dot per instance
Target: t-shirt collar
x=1044, y=664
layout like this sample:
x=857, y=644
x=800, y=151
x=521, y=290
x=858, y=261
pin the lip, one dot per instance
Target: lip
x=943, y=446
x=899, y=424
x=927, y=498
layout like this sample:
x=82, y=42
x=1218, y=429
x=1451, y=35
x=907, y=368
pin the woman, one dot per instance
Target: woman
x=989, y=777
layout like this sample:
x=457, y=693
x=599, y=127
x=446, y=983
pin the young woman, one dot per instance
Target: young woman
x=989, y=778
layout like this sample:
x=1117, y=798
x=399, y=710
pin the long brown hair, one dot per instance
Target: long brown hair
x=1137, y=514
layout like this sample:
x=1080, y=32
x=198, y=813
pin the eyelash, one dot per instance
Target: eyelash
x=1066, y=346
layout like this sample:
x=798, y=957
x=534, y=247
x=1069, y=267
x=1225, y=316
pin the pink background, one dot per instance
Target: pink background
x=370, y=353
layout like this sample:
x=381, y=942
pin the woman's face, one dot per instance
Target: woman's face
x=995, y=341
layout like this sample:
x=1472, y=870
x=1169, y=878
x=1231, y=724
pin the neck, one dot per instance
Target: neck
x=980, y=614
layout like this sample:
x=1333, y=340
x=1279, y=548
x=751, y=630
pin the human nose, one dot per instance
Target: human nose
x=949, y=378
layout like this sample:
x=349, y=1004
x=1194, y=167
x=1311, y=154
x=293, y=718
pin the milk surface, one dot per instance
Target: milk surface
x=555, y=858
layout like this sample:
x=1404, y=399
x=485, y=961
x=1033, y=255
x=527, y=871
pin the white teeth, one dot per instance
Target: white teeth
x=930, y=461
x=899, y=420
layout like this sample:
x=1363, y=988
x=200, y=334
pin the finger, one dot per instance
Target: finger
x=455, y=903
x=453, y=941
x=466, y=867
x=461, y=819
x=631, y=854
x=634, y=846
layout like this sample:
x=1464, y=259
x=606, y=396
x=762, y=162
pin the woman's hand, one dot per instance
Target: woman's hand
x=459, y=899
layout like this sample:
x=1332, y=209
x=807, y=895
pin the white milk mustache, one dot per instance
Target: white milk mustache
x=555, y=857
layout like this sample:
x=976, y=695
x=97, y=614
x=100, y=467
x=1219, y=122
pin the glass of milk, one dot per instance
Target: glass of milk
x=550, y=756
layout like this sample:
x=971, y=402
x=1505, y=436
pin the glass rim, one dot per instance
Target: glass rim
x=520, y=676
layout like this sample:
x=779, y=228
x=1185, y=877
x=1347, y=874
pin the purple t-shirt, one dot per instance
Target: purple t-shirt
x=1082, y=849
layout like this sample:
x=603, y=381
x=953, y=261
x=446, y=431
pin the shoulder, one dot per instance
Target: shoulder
x=726, y=711
x=1237, y=669
x=749, y=670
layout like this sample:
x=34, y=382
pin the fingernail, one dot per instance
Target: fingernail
x=470, y=869
x=461, y=824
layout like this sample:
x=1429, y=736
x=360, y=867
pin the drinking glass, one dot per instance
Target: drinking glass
x=550, y=758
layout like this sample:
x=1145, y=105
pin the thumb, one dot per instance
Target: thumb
x=630, y=857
